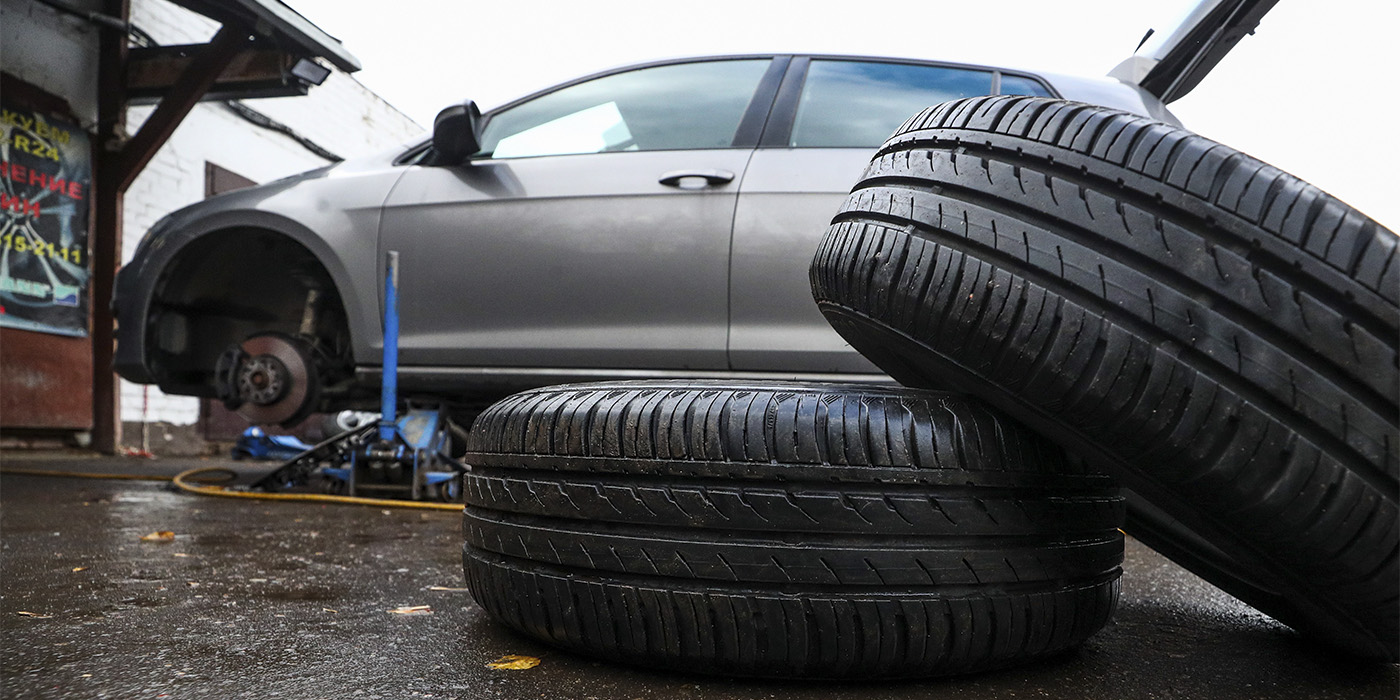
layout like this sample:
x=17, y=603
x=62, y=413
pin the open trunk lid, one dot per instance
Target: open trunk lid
x=1170, y=62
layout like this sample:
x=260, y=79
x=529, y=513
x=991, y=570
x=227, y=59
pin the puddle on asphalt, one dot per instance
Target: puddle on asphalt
x=133, y=497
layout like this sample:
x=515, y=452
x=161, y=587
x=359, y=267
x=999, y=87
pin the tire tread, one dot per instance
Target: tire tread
x=785, y=529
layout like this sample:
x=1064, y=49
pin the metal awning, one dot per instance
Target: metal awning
x=275, y=20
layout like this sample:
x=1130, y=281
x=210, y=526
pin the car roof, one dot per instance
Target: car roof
x=751, y=56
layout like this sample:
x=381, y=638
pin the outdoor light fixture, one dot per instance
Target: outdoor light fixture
x=310, y=71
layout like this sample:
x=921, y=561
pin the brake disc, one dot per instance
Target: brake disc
x=276, y=380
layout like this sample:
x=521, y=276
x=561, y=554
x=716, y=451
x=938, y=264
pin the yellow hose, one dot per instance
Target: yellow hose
x=181, y=480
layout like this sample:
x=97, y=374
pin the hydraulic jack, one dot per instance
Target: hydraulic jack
x=397, y=456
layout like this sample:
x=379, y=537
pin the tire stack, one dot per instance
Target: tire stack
x=1120, y=302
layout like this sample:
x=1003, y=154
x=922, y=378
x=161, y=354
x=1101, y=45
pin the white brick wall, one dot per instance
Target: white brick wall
x=340, y=115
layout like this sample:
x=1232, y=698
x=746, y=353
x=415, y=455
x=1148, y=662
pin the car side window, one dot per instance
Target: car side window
x=1020, y=85
x=671, y=107
x=858, y=104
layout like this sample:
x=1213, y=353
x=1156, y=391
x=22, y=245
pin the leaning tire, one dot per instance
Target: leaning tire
x=785, y=530
x=1217, y=333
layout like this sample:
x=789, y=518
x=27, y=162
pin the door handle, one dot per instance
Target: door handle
x=696, y=179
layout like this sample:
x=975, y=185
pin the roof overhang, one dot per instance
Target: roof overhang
x=277, y=58
x=274, y=20
x=262, y=49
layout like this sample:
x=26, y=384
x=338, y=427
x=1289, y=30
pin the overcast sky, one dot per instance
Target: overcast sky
x=1314, y=92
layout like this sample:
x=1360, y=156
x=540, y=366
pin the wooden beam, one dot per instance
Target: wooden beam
x=201, y=73
x=157, y=69
x=254, y=72
x=117, y=166
x=106, y=239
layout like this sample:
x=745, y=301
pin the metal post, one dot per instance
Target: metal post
x=389, y=394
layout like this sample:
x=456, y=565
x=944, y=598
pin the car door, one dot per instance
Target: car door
x=593, y=229
x=829, y=117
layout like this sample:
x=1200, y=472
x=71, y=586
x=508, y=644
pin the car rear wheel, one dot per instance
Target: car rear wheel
x=1217, y=333
x=785, y=530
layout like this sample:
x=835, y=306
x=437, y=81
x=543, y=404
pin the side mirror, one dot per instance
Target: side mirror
x=457, y=133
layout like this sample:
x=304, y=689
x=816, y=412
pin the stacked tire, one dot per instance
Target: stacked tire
x=1118, y=300
x=1215, y=333
x=785, y=530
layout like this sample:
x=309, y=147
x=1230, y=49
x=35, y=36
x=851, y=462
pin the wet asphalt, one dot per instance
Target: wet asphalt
x=257, y=599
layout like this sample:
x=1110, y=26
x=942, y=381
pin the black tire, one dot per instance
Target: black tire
x=785, y=530
x=1217, y=333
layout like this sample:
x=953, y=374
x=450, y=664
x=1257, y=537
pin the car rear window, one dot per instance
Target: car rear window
x=858, y=104
x=1020, y=85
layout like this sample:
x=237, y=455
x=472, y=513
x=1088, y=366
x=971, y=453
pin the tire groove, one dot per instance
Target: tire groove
x=1220, y=303
x=1272, y=263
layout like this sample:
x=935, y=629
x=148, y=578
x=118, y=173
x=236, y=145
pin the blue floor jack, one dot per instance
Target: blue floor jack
x=395, y=457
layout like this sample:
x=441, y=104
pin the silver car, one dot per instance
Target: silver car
x=651, y=221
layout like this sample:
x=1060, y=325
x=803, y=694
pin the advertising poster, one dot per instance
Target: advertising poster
x=45, y=183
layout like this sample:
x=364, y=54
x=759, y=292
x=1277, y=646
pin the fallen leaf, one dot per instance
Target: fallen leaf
x=444, y=588
x=513, y=662
x=413, y=610
x=159, y=536
x=76, y=569
x=26, y=613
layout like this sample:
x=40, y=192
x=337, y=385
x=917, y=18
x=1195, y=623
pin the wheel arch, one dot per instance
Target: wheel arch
x=235, y=274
